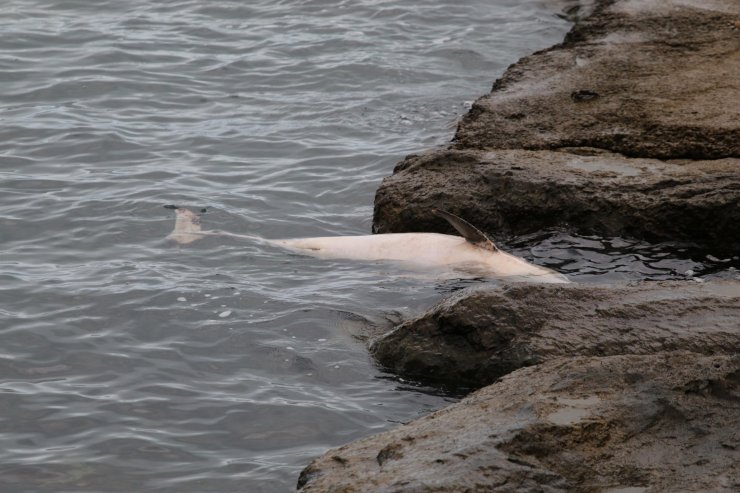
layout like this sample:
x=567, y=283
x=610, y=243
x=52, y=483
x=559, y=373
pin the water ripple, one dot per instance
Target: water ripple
x=129, y=364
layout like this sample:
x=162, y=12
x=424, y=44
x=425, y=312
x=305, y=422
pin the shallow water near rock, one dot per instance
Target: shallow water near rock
x=130, y=364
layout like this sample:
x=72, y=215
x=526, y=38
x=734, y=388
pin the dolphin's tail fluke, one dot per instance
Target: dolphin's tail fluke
x=187, y=227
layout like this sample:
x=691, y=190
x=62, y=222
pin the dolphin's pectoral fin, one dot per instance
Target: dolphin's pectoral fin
x=467, y=230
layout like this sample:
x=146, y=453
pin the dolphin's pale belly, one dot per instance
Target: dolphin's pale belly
x=421, y=249
x=426, y=250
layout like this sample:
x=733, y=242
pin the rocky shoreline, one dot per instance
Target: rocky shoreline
x=665, y=422
x=477, y=336
x=627, y=128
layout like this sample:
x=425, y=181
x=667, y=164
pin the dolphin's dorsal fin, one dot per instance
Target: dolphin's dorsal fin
x=467, y=230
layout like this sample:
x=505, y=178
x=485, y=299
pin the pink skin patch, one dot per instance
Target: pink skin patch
x=187, y=227
x=188, y=215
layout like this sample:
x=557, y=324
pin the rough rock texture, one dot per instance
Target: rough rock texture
x=473, y=338
x=636, y=79
x=666, y=422
x=627, y=128
x=642, y=78
x=591, y=191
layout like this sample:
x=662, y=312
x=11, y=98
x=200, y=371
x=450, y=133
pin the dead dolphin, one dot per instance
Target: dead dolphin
x=473, y=252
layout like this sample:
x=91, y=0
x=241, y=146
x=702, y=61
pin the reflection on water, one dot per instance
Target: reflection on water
x=129, y=364
x=596, y=259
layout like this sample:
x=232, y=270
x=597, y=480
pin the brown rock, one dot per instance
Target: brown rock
x=655, y=80
x=627, y=128
x=473, y=338
x=590, y=191
x=649, y=79
x=666, y=422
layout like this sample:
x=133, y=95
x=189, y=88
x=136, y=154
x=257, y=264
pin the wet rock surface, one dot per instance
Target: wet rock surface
x=586, y=190
x=667, y=422
x=473, y=338
x=629, y=127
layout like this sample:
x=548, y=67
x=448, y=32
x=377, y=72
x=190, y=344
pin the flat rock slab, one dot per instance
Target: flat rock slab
x=635, y=120
x=475, y=337
x=666, y=422
x=587, y=190
x=652, y=78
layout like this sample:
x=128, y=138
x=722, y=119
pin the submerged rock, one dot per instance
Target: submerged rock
x=666, y=422
x=475, y=337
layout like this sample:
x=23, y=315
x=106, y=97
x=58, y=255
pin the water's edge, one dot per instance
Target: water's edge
x=129, y=363
x=520, y=445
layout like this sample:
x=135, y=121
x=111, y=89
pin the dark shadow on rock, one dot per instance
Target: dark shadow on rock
x=475, y=337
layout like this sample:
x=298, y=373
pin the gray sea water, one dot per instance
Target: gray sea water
x=130, y=364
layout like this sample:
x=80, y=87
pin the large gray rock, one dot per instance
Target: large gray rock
x=473, y=338
x=628, y=128
x=666, y=422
